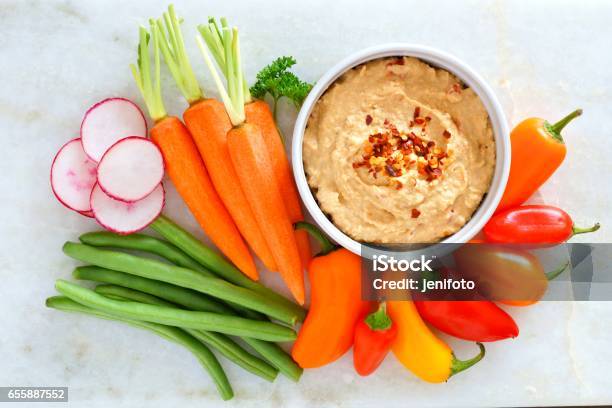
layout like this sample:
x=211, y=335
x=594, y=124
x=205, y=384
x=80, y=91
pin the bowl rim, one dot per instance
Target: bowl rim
x=438, y=59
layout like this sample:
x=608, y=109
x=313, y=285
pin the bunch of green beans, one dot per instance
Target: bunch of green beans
x=190, y=300
x=225, y=345
x=174, y=334
x=179, y=276
x=194, y=297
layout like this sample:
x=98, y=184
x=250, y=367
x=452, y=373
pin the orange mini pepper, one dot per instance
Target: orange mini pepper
x=537, y=151
x=335, y=304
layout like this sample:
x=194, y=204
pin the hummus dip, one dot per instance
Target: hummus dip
x=397, y=151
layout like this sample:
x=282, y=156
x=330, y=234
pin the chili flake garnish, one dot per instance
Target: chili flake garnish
x=368, y=119
x=415, y=213
x=393, y=152
x=397, y=61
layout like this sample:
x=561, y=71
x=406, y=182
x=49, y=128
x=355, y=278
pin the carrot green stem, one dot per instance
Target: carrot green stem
x=148, y=82
x=458, y=366
x=172, y=47
x=232, y=95
x=213, y=36
x=225, y=98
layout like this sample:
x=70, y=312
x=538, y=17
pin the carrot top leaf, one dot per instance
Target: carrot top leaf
x=233, y=96
x=148, y=80
x=172, y=47
x=277, y=81
x=212, y=33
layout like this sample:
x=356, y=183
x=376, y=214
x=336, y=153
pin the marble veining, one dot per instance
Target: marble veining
x=59, y=56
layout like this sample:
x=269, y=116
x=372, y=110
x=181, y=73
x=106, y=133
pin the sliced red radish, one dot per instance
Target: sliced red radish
x=88, y=214
x=131, y=169
x=126, y=218
x=109, y=121
x=73, y=176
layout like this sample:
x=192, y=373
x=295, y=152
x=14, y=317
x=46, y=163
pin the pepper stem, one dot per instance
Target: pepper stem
x=379, y=320
x=326, y=245
x=553, y=274
x=577, y=230
x=555, y=129
x=458, y=366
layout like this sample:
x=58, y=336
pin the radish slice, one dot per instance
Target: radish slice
x=109, y=121
x=73, y=176
x=131, y=169
x=126, y=218
x=88, y=214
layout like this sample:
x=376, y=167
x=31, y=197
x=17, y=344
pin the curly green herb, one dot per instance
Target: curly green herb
x=277, y=81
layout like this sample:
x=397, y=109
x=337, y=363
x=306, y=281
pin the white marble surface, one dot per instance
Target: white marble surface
x=57, y=57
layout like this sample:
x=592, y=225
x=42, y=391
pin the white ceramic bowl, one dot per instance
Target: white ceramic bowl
x=435, y=58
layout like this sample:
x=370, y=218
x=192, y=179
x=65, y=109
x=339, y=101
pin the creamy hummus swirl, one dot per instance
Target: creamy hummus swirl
x=403, y=100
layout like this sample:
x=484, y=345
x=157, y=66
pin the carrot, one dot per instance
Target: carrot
x=184, y=165
x=258, y=112
x=208, y=123
x=188, y=173
x=252, y=163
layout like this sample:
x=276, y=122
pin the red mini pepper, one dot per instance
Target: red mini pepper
x=374, y=336
x=533, y=224
x=476, y=319
x=506, y=274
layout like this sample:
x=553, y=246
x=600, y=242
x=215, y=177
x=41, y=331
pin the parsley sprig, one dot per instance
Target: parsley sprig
x=277, y=81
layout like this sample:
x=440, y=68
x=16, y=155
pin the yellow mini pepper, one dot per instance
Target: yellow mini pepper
x=420, y=350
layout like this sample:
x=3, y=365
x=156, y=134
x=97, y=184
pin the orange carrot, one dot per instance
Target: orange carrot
x=252, y=163
x=184, y=164
x=251, y=160
x=189, y=175
x=258, y=112
x=208, y=123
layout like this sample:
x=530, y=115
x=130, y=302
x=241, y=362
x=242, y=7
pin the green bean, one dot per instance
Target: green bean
x=231, y=325
x=146, y=243
x=189, y=299
x=276, y=356
x=226, y=346
x=194, y=300
x=206, y=358
x=156, y=246
x=153, y=269
x=215, y=262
